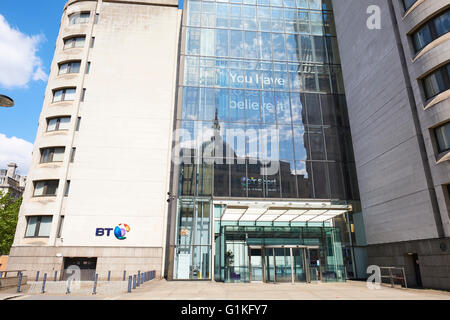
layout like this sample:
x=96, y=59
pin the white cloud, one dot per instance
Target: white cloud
x=19, y=63
x=15, y=150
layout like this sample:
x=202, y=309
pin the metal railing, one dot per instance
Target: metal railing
x=67, y=285
x=4, y=274
x=393, y=275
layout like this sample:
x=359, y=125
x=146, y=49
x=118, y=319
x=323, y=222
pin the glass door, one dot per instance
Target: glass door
x=270, y=265
x=256, y=265
x=315, y=273
x=299, y=264
x=283, y=265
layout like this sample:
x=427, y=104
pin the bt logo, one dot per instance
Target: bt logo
x=120, y=231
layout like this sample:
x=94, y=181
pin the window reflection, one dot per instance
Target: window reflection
x=266, y=82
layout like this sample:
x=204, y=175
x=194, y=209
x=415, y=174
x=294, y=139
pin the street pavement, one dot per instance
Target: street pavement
x=191, y=290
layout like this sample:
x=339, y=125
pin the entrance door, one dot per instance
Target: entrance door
x=415, y=258
x=270, y=265
x=299, y=264
x=87, y=268
x=256, y=265
x=283, y=265
x=313, y=260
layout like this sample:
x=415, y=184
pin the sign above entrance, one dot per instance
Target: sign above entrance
x=269, y=211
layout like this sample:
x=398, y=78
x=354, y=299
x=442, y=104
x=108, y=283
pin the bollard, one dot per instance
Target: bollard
x=134, y=281
x=130, y=280
x=37, y=276
x=19, y=283
x=56, y=276
x=94, y=291
x=109, y=275
x=68, y=286
x=43, y=283
x=139, y=278
x=124, y=275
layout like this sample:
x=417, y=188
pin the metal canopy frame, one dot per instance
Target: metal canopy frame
x=294, y=211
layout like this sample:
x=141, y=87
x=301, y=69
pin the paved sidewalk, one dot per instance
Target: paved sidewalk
x=351, y=290
x=190, y=290
x=9, y=296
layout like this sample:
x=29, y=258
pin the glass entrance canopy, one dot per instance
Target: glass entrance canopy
x=293, y=211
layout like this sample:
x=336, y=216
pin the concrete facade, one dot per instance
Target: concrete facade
x=401, y=176
x=126, y=84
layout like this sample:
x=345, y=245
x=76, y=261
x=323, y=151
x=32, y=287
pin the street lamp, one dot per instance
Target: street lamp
x=6, y=101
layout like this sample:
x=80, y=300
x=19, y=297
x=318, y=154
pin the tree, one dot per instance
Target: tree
x=9, y=212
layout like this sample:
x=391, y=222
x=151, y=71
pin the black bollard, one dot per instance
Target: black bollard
x=19, y=283
x=68, y=286
x=94, y=291
x=43, y=283
x=130, y=280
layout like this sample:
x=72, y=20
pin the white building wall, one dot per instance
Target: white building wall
x=121, y=169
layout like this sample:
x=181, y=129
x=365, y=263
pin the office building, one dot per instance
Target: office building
x=214, y=140
x=397, y=85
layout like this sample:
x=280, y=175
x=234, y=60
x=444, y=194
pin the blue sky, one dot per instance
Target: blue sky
x=31, y=25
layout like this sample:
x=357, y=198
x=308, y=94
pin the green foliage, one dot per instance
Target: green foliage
x=9, y=211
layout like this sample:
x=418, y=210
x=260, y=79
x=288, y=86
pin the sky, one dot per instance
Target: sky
x=28, y=33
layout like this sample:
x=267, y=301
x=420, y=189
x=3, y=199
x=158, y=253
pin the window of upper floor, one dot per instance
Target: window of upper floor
x=442, y=134
x=436, y=82
x=45, y=188
x=69, y=67
x=432, y=29
x=67, y=189
x=74, y=42
x=79, y=18
x=66, y=94
x=54, y=154
x=407, y=4
x=38, y=226
x=58, y=124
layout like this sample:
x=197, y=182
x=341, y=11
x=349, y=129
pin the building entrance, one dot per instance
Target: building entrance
x=284, y=264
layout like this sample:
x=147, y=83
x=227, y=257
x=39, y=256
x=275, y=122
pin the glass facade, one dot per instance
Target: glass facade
x=261, y=115
x=240, y=249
